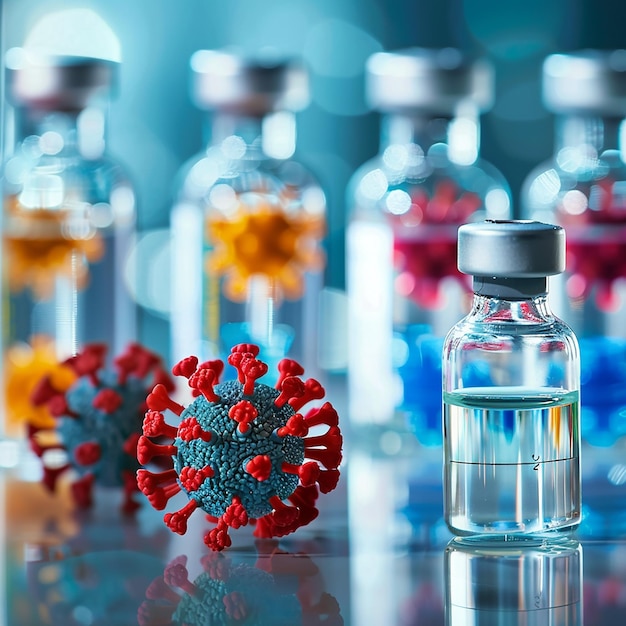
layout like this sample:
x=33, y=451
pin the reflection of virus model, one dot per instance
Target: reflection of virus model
x=98, y=421
x=39, y=244
x=424, y=257
x=281, y=590
x=264, y=240
x=240, y=448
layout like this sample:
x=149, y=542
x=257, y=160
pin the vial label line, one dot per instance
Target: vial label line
x=535, y=463
x=501, y=610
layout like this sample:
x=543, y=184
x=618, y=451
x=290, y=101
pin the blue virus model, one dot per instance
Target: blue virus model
x=98, y=421
x=241, y=448
x=281, y=589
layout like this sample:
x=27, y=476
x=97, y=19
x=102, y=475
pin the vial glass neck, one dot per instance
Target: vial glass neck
x=590, y=136
x=457, y=137
x=273, y=134
x=63, y=133
x=510, y=288
x=531, y=310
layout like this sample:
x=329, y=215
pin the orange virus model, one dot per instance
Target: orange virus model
x=41, y=243
x=266, y=239
x=24, y=366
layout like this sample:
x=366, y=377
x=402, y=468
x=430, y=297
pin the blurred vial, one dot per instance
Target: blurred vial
x=583, y=188
x=68, y=222
x=248, y=219
x=406, y=204
x=530, y=583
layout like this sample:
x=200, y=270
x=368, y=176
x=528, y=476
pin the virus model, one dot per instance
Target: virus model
x=98, y=421
x=25, y=364
x=38, y=248
x=241, y=448
x=267, y=240
x=281, y=589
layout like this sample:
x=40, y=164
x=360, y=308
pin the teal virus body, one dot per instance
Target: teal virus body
x=98, y=421
x=242, y=448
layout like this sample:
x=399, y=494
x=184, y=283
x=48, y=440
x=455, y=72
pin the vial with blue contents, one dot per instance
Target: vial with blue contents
x=249, y=219
x=511, y=390
x=406, y=204
x=582, y=188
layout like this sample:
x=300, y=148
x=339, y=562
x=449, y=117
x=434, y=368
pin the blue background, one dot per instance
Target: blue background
x=154, y=127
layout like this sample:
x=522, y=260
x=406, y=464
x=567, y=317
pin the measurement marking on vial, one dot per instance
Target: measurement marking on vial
x=535, y=464
x=516, y=610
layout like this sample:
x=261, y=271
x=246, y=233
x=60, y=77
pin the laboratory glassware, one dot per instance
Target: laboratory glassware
x=248, y=219
x=511, y=389
x=68, y=225
x=406, y=204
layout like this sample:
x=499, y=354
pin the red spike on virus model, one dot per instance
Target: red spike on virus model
x=98, y=421
x=242, y=448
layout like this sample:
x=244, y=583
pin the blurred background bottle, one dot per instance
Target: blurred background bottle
x=248, y=221
x=406, y=204
x=68, y=223
x=583, y=188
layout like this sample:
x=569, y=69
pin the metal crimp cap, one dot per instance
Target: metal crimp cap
x=230, y=82
x=432, y=80
x=57, y=82
x=588, y=81
x=511, y=249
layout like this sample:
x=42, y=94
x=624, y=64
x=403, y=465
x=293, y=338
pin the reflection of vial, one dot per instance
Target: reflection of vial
x=403, y=285
x=510, y=390
x=68, y=223
x=583, y=188
x=248, y=219
x=534, y=583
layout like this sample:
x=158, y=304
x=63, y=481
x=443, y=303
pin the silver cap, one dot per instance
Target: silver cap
x=427, y=79
x=57, y=82
x=227, y=81
x=511, y=249
x=589, y=81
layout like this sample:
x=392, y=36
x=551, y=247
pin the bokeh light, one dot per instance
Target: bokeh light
x=79, y=32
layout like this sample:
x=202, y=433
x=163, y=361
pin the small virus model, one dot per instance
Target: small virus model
x=98, y=421
x=266, y=239
x=424, y=258
x=240, y=448
x=281, y=589
x=37, y=248
x=25, y=364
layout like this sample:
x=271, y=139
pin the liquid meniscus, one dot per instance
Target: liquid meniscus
x=511, y=460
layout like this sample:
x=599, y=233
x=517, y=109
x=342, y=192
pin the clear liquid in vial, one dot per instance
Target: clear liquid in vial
x=511, y=460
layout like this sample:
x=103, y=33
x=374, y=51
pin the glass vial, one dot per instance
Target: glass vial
x=248, y=220
x=534, y=583
x=406, y=205
x=68, y=224
x=511, y=389
x=583, y=188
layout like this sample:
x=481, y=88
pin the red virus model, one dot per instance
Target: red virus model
x=242, y=448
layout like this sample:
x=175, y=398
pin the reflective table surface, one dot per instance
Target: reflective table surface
x=379, y=553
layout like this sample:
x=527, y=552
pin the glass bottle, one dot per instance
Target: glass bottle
x=406, y=205
x=248, y=220
x=68, y=225
x=511, y=389
x=582, y=187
